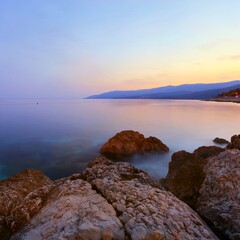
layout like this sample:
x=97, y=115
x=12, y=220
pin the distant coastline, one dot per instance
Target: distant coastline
x=200, y=91
x=225, y=99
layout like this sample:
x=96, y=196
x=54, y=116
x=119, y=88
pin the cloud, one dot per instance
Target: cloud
x=230, y=57
x=209, y=46
x=218, y=43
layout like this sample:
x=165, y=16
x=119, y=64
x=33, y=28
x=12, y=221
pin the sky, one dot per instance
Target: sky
x=76, y=48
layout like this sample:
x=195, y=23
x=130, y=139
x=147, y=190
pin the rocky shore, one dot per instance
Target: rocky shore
x=198, y=199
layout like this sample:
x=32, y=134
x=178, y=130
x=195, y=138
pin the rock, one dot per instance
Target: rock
x=99, y=160
x=210, y=185
x=235, y=142
x=185, y=176
x=125, y=172
x=208, y=151
x=219, y=199
x=19, y=200
x=109, y=201
x=220, y=141
x=127, y=143
x=74, y=211
x=146, y=212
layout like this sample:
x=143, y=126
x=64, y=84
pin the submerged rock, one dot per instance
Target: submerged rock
x=235, y=142
x=219, y=200
x=127, y=143
x=220, y=140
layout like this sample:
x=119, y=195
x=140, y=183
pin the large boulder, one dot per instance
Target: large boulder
x=219, y=198
x=146, y=211
x=185, y=174
x=235, y=142
x=209, y=184
x=21, y=196
x=128, y=142
x=74, y=211
x=112, y=201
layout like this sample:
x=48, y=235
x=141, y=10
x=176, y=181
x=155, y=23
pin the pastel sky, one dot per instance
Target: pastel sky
x=75, y=48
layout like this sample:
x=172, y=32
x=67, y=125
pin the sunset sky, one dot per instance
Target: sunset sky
x=76, y=48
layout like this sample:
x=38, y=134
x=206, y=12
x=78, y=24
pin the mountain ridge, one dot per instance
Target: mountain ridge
x=183, y=91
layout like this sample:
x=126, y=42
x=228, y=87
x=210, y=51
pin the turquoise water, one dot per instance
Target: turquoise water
x=59, y=137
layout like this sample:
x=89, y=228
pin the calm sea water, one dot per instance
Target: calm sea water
x=59, y=137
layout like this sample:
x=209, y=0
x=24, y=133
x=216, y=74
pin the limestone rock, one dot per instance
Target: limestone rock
x=125, y=171
x=219, y=200
x=235, y=142
x=146, y=212
x=19, y=201
x=220, y=140
x=100, y=160
x=109, y=201
x=74, y=211
x=127, y=143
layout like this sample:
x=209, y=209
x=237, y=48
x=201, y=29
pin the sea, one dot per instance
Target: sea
x=60, y=136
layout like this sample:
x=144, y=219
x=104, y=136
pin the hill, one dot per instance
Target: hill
x=233, y=93
x=228, y=96
x=186, y=91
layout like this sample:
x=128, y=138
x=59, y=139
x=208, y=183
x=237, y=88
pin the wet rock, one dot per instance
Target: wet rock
x=235, y=142
x=145, y=211
x=19, y=199
x=127, y=143
x=74, y=211
x=219, y=200
x=185, y=176
x=220, y=141
x=208, y=151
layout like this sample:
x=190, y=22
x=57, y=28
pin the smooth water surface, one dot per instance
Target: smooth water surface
x=59, y=137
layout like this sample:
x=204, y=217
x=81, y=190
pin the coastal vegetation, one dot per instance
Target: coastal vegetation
x=233, y=93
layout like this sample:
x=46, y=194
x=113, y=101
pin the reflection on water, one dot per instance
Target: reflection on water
x=59, y=137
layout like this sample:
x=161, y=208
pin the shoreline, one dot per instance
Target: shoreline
x=115, y=200
x=233, y=100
